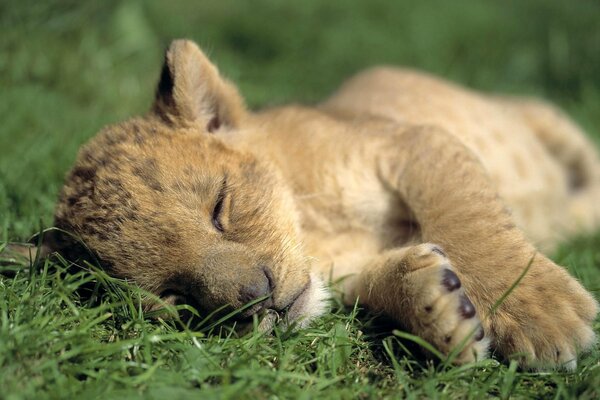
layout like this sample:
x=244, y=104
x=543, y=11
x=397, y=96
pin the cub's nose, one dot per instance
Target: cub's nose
x=261, y=286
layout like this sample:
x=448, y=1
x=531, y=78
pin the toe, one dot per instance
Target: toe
x=466, y=308
x=480, y=334
x=450, y=280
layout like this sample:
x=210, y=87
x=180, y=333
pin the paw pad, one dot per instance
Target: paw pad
x=467, y=310
x=450, y=280
x=479, y=335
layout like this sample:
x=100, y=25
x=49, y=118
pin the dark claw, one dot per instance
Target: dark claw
x=467, y=310
x=450, y=280
x=479, y=335
x=438, y=250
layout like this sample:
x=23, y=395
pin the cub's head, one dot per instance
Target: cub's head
x=164, y=201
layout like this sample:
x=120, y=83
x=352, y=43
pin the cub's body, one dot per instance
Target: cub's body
x=420, y=199
x=534, y=155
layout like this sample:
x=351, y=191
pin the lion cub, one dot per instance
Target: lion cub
x=423, y=200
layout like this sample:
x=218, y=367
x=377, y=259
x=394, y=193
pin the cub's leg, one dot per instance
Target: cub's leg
x=577, y=155
x=547, y=318
x=418, y=287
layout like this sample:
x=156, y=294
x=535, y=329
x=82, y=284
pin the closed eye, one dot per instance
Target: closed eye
x=218, y=210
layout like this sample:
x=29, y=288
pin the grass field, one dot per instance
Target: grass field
x=67, y=68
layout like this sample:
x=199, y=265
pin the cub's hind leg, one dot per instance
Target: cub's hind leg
x=576, y=154
x=418, y=287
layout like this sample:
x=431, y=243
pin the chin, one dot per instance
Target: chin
x=310, y=304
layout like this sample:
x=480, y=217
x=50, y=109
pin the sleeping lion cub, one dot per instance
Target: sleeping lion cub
x=421, y=199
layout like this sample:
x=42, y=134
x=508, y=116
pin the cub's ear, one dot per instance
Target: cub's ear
x=46, y=244
x=23, y=253
x=41, y=246
x=191, y=91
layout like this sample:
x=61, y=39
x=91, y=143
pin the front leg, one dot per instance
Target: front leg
x=547, y=319
x=417, y=286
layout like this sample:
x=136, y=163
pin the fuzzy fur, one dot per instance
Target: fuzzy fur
x=395, y=179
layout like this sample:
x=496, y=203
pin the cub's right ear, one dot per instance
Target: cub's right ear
x=192, y=92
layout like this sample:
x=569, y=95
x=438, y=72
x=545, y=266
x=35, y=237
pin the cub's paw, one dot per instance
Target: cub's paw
x=546, y=321
x=437, y=307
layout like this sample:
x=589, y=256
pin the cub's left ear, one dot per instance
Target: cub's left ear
x=14, y=252
x=51, y=242
x=192, y=92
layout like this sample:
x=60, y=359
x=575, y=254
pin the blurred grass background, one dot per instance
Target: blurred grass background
x=69, y=67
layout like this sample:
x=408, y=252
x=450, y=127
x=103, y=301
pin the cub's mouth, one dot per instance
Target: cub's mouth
x=310, y=303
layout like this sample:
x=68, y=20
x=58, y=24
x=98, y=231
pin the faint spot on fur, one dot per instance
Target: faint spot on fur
x=509, y=226
x=84, y=173
x=103, y=228
x=148, y=172
x=116, y=137
x=170, y=239
x=197, y=187
x=113, y=189
x=499, y=136
x=131, y=212
x=164, y=232
x=188, y=171
x=111, y=159
x=520, y=166
x=575, y=177
x=138, y=137
x=540, y=289
x=507, y=210
x=249, y=171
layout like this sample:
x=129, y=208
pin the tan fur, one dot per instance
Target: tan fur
x=360, y=188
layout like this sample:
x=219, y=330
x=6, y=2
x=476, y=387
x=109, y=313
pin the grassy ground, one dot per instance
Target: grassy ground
x=67, y=69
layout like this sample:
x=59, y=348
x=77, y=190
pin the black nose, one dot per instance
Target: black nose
x=262, y=286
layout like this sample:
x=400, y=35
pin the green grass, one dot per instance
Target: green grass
x=66, y=69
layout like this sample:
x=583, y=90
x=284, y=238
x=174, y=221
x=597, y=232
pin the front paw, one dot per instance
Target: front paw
x=437, y=308
x=546, y=321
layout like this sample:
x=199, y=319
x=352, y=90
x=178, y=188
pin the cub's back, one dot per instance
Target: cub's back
x=526, y=174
